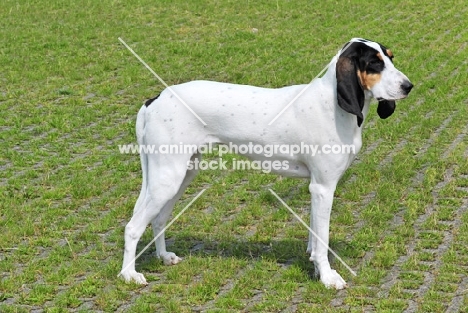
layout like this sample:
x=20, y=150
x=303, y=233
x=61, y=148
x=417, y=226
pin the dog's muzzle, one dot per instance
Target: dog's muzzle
x=406, y=87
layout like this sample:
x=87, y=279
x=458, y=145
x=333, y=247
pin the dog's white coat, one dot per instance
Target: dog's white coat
x=240, y=114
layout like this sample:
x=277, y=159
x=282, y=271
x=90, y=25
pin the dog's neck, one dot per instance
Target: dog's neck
x=365, y=110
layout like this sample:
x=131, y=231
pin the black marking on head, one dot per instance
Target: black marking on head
x=149, y=101
x=387, y=52
x=359, y=68
x=362, y=40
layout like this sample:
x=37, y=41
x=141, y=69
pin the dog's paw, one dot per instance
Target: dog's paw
x=170, y=258
x=332, y=279
x=133, y=276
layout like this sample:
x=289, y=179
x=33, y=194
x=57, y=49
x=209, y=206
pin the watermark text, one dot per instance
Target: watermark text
x=249, y=149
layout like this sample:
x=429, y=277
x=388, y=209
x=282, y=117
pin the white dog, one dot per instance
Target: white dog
x=329, y=112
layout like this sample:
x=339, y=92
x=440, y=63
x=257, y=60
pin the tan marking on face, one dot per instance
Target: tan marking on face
x=368, y=80
x=389, y=53
x=380, y=56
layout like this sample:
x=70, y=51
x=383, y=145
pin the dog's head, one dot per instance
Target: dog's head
x=367, y=66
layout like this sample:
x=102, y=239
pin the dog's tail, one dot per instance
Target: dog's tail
x=140, y=125
x=140, y=133
x=141, y=139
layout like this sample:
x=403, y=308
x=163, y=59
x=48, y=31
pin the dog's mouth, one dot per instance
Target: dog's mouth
x=402, y=93
x=392, y=98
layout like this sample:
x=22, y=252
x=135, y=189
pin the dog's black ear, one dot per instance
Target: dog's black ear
x=386, y=108
x=349, y=91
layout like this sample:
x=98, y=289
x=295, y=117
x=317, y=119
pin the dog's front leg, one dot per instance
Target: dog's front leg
x=322, y=200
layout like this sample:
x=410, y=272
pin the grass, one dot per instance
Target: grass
x=70, y=93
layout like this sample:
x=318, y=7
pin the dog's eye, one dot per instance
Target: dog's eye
x=375, y=66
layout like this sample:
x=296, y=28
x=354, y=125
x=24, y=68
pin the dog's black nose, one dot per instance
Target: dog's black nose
x=407, y=86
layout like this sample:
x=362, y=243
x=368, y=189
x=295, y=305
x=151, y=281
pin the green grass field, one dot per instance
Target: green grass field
x=69, y=95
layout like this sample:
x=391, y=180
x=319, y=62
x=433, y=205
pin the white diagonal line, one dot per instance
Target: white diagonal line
x=313, y=233
x=162, y=81
x=307, y=86
x=162, y=231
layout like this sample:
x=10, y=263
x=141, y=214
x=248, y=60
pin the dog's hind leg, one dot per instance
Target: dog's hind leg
x=170, y=258
x=164, y=179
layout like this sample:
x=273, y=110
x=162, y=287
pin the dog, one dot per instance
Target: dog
x=330, y=111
